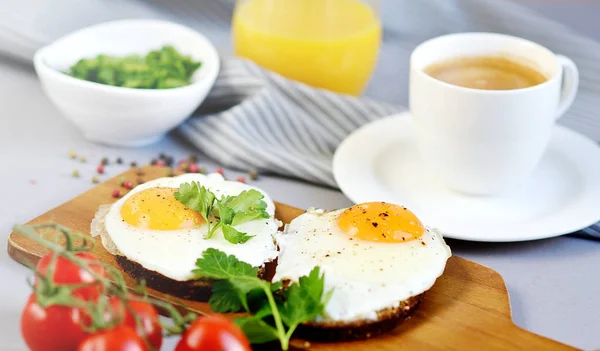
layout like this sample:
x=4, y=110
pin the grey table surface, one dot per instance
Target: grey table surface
x=554, y=284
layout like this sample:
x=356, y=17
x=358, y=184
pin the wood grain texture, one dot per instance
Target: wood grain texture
x=467, y=309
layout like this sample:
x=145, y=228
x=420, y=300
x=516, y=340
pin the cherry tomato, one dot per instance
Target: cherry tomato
x=67, y=272
x=53, y=328
x=149, y=318
x=121, y=338
x=213, y=333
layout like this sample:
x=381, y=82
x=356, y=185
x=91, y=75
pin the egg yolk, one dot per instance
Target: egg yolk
x=380, y=221
x=157, y=208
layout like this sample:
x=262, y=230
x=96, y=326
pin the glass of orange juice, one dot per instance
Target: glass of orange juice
x=331, y=44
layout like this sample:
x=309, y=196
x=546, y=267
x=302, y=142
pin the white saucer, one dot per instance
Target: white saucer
x=378, y=162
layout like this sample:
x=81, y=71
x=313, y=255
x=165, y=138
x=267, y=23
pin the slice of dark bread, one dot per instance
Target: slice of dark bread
x=196, y=290
x=387, y=319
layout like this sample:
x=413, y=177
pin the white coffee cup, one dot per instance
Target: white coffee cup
x=483, y=142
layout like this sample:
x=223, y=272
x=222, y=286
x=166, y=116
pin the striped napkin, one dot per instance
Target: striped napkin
x=276, y=125
x=257, y=119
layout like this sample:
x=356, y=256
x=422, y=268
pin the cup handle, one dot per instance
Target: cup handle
x=570, y=82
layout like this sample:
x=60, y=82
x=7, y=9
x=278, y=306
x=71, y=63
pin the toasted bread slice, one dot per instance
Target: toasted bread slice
x=387, y=319
x=196, y=289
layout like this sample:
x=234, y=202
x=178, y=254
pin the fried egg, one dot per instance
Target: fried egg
x=373, y=255
x=149, y=226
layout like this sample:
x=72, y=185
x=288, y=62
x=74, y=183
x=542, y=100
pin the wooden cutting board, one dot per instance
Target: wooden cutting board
x=467, y=309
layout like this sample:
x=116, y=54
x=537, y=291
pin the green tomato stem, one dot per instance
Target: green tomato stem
x=116, y=287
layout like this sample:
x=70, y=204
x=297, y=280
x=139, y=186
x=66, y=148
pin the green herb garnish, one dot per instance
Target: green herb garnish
x=224, y=212
x=160, y=69
x=274, y=316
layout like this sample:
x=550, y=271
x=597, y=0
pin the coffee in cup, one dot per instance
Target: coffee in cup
x=484, y=106
x=486, y=72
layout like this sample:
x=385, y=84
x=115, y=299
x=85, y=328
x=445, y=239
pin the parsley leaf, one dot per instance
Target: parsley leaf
x=196, y=197
x=257, y=330
x=237, y=286
x=226, y=212
x=216, y=264
x=304, y=300
x=241, y=277
x=224, y=298
x=247, y=206
x=234, y=236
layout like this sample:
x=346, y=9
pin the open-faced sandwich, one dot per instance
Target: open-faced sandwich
x=365, y=268
x=160, y=228
x=377, y=258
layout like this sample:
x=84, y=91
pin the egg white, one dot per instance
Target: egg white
x=365, y=276
x=173, y=253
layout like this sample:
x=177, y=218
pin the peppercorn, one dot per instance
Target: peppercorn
x=170, y=173
x=95, y=180
x=241, y=179
x=128, y=185
x=220, y=171
x=202, y=170
x=104, y=161
x=160, y=163
x=168, y=161
x=162, y=156
x=193, y=158
x=139, y=172
x=140, y=181
x=133, y=164
x=82, y=159
x=72, y=154
x=193, y=168
x=121, y=181
x=75, y=174
x=100, y=169
x=253, y=174
x=119, y=161
x=116, y=193
x=153, y=162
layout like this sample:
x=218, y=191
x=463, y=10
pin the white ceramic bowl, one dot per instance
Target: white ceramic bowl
x=125, y=116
